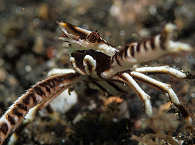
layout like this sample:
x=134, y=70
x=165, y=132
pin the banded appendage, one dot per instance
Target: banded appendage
x=39, y=94
x=147, y=50
x=85, y=39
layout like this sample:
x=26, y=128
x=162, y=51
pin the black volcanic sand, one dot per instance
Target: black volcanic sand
x=29, y=48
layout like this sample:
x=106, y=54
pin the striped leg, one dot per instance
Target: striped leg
x=167, y=88
x=143, y=51
x=30, y=116
x=125, y=77
x=33, y=111
x=40, y=93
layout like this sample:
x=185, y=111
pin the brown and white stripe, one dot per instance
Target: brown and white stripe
x=147, y=50
x=38, y=94
x=138, y=52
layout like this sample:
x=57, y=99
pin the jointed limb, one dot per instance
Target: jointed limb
x=163, y=69
x=73, y=62
x=56, y=71
x=126, y=78
x=34, y=96
x=32, y=114
x=144, y=51
x=165, y=87
x=29, y=117
x=89, y=64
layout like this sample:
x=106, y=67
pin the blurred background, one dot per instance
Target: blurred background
x=29, y=48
